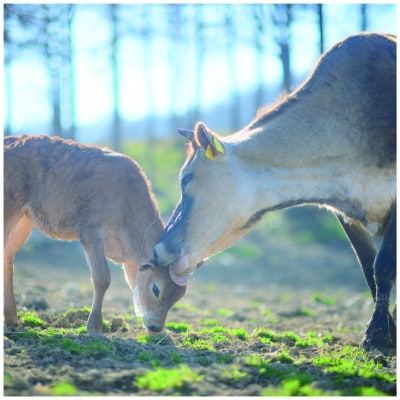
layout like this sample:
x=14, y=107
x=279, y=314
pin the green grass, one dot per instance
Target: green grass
x=293, y=387
x=195, y=342
x=351, y=361
x=285, y=357
x=292, y=339
x=67, y=340
x=233, y=373
x=224, y=358
x=162, y=379
x=63, y=389
x=239, y=333
x=96, y=347
x=226, y=312
x=186, y=307
x=220, y=333
x=210, y=322
x=178, y=326
x=144, y=338
x=30, y=319
x=326, y=300
x=161, y=163
x=246, y=250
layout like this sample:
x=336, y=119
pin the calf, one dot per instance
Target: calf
x=331, y=143
x=72, y=191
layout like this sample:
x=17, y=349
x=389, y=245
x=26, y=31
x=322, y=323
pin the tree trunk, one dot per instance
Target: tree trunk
x=52, y=52
x=282, y=20
x=199, y=56
x=116, y=122
x=230, y=28
x=259, y=29
x=321, y=28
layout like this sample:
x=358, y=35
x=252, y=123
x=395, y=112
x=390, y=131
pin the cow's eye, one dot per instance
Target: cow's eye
x=156, y=290
x=186, y=180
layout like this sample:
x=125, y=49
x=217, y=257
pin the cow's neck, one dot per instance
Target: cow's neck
x=295, y=135
x=291, y=162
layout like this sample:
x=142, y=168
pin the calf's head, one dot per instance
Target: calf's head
x=214, y=208
x=154, y=295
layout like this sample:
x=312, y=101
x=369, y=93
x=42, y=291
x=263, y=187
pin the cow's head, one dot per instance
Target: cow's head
x=214, y=208
x=154, y=295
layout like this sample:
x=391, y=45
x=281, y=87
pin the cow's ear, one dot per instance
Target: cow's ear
x=186, y=133
x=208, y=140
x=202, y=135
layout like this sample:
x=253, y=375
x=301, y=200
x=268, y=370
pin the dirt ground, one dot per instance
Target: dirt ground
x=244, y=293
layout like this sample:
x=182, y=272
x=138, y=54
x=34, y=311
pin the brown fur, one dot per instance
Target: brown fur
x=72, y=191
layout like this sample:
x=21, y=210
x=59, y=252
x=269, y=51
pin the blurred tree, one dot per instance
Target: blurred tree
x=45, y=29
x=282, y=18
x=199, y=58
x=50, y=39
x=363, y=12
x=67, y=71
x=115, y=35
x=321, y=27
x=231, y=64
x=148, y=62
x=175, y=12
x=258, y=11
x=18, y=20
x=147, y=46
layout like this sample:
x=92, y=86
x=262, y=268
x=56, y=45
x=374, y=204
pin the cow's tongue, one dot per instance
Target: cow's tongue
x=179, y=280
x=181, y=265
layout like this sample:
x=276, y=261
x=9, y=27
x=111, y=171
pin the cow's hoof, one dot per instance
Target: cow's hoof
x=379, y=345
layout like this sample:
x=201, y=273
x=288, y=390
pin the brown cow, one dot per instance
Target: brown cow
x=72, y=191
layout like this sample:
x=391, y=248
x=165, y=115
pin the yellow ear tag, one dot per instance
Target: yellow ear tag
x=209, y=152
x=218, y=145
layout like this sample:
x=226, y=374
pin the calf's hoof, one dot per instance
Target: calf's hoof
x=11, y=321
x=93, y=328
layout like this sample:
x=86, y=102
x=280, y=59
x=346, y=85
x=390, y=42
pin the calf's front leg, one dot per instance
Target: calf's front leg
x=101, y=279
x=16, y=238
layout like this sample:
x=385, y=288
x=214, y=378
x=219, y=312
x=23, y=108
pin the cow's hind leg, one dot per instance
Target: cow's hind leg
x=365, y=249
x=14, y=239
x=101, y=279
x=381, y=329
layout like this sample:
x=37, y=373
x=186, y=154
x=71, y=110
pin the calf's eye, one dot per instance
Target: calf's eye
x=156, y=290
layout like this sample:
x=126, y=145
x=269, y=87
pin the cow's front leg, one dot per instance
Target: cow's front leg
x=381, y=329
x=101, y=279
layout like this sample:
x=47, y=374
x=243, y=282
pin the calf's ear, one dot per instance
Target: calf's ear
x=208, y=140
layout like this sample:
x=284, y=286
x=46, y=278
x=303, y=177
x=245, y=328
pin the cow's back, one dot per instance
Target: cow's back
x=355, y=82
